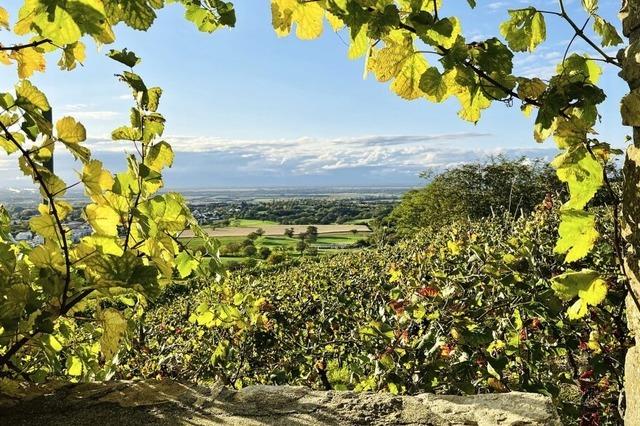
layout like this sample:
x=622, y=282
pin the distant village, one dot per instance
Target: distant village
x=78, y=230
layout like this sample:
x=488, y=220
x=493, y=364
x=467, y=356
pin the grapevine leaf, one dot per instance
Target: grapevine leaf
x=96, y=179
x=125, y=57
x=29, y=60
x=70, y=131
x=29, y=97
x=407, y=82
x=524, y=30
x=4, y=18
x=587, y=285
x=607, y=31
x=578, y=234
x=154, y=94
x=138, y=14
x=580, y=68
x=359, y=44
x=583, y=174
x=44, y=225
x=72, y=54
x=434, y=86
x=186, y=264
x=114, y=327
x=160, y=156
x=308, y=17
x=103, y=219
x=74, y=366
x=591, y=6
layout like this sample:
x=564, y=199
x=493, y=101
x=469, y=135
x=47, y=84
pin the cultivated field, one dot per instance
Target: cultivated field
x=277, y=230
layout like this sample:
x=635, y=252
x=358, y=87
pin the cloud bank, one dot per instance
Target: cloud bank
x=387, y=160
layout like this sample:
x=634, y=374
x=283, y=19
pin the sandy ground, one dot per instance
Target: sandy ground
x=277, y=230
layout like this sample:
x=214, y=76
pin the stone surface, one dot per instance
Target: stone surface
x=172, y=403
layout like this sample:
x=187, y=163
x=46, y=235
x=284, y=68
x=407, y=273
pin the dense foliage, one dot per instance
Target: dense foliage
x=477, y=190
x=467, y=309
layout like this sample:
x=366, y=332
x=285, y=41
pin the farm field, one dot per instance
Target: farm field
x=247, y=227
x=331, y=238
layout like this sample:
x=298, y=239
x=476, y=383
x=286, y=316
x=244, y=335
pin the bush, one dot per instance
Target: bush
x=249, y=251
x=265, y=252
x=276, y=258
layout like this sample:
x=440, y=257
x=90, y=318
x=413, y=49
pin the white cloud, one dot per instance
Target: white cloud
x=86, y=112
x=365, y=160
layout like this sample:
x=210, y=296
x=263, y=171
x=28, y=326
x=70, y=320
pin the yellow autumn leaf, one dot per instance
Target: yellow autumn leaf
x=70, y=131
x=29, y=60
x=103, y=219
x=95, y=178
x=407, y=82
x=114, y=327
x=4, y=18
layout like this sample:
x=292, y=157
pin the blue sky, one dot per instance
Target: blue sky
x=245, y=108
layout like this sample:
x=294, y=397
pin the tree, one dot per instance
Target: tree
x=288, y=232
x=301, y=246
x=477, y=190
x=133, y=249
x=479, y=73
x=312, y=233
x=259, y=232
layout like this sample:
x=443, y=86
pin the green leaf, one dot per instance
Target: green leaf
x=359, y=44
x=95, y=178
x=74, y=366
x=444, y=32
x=103, y=219
x=52, y=342
x=591, y=6
x=126, y=133
x=138, y=14
x=583, y=174
x=524, y=30
x=607, y=31
x=203, y=19
x=154, y=94
x=29, y=97
x=307, y=16
x=44, y=225
x=580, y=69
x=434, y=85
x=72, y=54
x=587, y=285
x=407, y=82
x=160, y=156
x=186, y=264
x=578, y=234
x=125, y=57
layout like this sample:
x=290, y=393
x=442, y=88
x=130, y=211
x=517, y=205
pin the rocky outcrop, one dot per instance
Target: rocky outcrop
x=172, y=403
